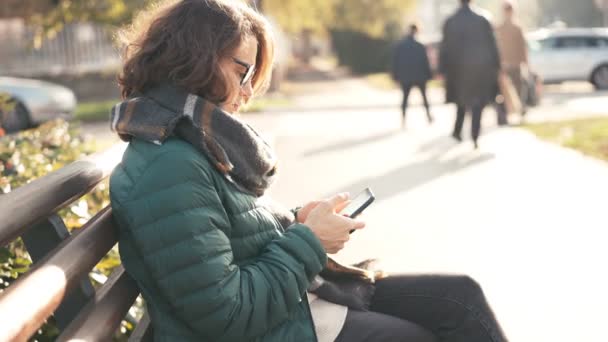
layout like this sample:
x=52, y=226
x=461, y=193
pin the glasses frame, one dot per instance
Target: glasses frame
x=249, y=72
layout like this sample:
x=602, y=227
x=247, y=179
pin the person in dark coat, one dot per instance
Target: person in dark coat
x=470, y=62
x=411, y=69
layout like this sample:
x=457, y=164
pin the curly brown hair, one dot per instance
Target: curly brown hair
x=183, y=41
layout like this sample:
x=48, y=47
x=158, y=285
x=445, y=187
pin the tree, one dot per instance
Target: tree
x=19, y=8
x=373, y=17
x=583, y=13
x=603, y=5
x=50, y=16
x=294, y=16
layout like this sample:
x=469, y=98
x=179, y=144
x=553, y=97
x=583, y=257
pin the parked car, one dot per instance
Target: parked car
x=570, y=54
x=29, y=102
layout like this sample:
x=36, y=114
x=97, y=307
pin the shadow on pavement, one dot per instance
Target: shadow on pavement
x=351, y=143
x=355, y=107
x=411, y=176
x=437, y=146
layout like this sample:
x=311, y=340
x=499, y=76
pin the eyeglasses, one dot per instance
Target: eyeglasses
x=249, y=72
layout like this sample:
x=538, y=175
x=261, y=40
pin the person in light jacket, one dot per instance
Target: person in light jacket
x=513, y=56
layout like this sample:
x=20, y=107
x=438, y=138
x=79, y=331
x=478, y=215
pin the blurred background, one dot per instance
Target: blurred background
x=71, y=42
x=524, y=214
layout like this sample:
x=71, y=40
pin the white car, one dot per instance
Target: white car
x=32, y=102
x=570, y=54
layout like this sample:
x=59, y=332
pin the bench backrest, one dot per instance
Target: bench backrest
x=58, y=280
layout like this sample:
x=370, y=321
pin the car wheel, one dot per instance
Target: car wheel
x=600, y=77
x=15, y=119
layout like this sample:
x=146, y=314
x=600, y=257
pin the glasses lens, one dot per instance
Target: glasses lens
x=248, y=75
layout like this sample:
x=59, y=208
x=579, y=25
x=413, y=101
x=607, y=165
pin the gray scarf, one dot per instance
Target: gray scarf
x=234, y=148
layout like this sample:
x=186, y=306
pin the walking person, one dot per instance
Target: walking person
x=215, y=259
x=469, y=61
x=410, y=69
x=514, y=58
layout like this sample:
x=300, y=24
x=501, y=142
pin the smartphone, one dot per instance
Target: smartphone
x=359, y=203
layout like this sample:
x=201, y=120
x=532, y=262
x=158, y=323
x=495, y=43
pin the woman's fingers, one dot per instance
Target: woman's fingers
x=335, y=248
x=337, y=200
x=331, y=228
x=342, y=205
x=358, y=224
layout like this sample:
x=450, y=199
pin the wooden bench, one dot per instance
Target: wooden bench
x=58, y=282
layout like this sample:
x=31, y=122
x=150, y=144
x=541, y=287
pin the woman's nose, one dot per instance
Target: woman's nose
x=247, y=89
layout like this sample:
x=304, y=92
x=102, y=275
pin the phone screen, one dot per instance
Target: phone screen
x=359, y=203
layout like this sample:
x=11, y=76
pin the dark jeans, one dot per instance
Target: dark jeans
x=406, y=308
x=407, y=88
x=475, y=120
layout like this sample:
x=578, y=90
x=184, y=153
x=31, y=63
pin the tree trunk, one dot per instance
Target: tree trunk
x=259, y=4
x=603, y=6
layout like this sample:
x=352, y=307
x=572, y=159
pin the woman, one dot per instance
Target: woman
x=214, y=259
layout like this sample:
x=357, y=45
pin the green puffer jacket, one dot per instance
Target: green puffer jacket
x=212, y=264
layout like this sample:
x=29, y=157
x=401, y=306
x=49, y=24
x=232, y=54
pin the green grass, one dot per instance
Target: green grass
x=381, y=81
x=590, y=136
x=265, y=103
x=95, y=110
x=384, y=81
x=100, y=110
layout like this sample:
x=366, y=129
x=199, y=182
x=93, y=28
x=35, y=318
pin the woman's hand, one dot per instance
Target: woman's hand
x=304, y=211
x=331, y=228
x=302, y=214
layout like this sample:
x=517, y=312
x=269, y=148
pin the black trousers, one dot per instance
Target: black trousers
x=475, y=120
x=424, y=309
x=407, y=88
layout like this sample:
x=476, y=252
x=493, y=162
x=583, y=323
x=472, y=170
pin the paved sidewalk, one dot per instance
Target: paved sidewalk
x=524, y=217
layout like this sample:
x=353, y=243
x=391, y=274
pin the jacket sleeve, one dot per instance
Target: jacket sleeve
x=180, y=235
x=492, y=45
x=444, y=50
x=396, y=62
x=428, y=73
x=523, y=45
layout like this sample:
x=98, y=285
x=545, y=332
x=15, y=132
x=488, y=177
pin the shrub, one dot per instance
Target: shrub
x=361, y=53
x=32, y=154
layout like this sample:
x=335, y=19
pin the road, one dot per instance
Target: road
x=523, y=217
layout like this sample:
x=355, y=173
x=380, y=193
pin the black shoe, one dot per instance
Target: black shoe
x=475, y=145
x=457, y=137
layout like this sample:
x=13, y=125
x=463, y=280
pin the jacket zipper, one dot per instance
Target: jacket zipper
x=312, y=322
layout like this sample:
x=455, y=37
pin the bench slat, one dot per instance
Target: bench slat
x=42, y=197
x=99, y=319
x=143, y=331
x=26, y=304
x=42, y=239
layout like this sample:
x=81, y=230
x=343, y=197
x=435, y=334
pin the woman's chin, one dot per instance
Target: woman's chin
x=230, y=109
